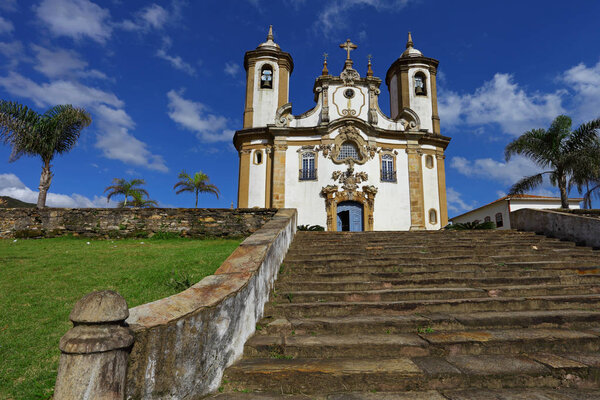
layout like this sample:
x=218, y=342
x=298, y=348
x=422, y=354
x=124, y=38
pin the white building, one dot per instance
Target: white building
x=344, y=164
x=499, y=211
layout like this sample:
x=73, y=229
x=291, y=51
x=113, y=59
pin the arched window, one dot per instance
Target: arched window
x=420, y=84
x=266, y=77
x=308, y=172
x=258, y=157
x=499, y=221
x=388, y=174
x=348, y=150
x=487, y=219
x=433, y=217
x=429, y=161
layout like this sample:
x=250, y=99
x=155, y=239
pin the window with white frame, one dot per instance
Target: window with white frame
x=308, y=172
x=388, y=174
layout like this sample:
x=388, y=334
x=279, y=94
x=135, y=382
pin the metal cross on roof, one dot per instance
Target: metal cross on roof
x=348, y=45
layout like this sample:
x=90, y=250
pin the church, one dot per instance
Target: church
x=344, y=164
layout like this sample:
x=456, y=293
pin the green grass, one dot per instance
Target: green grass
x=40, y=281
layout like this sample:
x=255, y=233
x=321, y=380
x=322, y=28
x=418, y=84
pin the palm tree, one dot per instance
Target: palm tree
x=199, y=183
x=123, y=187
x=137, y=200
x=556, y=149
x=45, y=135
x=586, y=176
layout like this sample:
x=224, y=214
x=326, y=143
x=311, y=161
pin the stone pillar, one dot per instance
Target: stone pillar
x=244, y=178
x=279, y=175
x=93, y=363
x=441, y=172
x=415, y=183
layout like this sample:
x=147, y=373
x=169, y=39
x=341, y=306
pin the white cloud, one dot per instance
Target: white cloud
x=13, y=52
x=76, y=19
x=151, y=17
x=8, y=5
x=333, y=16
x=501, y=101
x=61, y=63
x=11, y=185
x=506, y=173
x=194, y=116
x=6, y=26
x=176, y=61
x=456, y=203
x=586, y=84
x=113, y=139
x=232, y=69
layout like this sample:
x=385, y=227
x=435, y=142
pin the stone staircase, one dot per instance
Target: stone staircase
x=455, y=315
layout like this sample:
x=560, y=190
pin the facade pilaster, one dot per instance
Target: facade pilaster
x=415, y=183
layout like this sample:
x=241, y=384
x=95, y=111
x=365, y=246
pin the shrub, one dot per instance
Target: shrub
x=313, y=228
x=471, y=225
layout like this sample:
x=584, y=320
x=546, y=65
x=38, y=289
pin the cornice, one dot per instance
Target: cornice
x=283, y=58
x=269, y=133
x=403, y=63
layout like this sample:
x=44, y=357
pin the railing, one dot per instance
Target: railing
x=308, y=174
x=388, y=176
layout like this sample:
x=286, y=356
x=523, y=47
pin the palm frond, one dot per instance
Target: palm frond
x=527, y=183
x=583, y=136
x=532, y=144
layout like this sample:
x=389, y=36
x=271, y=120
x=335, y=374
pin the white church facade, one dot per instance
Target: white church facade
x=344, y=164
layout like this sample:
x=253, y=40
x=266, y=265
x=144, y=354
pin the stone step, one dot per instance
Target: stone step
x=429, y=306
x=328, y=376
x=588, y=259
x=436, y=322
x=537, y=245
x=508, y=341
x=342, y=255
x=417, y=275
x=434, y=293
x=410, y=268
x=468, y=394
x=283, y=286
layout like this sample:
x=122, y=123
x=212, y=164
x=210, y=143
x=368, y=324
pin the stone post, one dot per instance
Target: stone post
x=93, y=363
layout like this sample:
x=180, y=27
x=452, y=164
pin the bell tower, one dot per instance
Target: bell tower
x=268, y=71
x=411, y=81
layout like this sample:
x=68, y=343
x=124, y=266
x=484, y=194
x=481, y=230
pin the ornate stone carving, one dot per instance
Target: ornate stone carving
x=307, y=148
x=349, y=133
x=284, y=116
x=280, y=147
x=349, y=179
x=325, y=148
x=349, y=75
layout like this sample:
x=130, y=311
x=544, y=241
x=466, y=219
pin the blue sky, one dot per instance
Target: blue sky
x=164, y=81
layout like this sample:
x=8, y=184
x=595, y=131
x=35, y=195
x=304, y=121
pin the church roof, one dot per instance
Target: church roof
x=520, y=197
x=410, y=50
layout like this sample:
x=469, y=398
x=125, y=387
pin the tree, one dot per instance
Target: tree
x=199, y=183
x=556, y=149
x=137, y=200
x=123, y=187
x=45, y=135
x=586, y=174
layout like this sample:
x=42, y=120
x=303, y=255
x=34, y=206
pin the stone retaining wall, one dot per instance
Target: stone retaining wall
x=131, y=222
x=183, y=343
x=567, y=226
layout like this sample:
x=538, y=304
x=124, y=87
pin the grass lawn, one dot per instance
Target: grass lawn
x=40, y=281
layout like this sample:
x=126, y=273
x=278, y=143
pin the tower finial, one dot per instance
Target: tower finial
x=409, y=43
x=325, y=70
x=270, y=34
x=369, y=69
x=348, y=46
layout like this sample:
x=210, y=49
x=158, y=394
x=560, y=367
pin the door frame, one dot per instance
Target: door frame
x=333, y=198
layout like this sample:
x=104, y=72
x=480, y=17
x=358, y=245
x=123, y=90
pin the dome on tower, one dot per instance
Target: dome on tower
x=410, y=50
x=269, y=43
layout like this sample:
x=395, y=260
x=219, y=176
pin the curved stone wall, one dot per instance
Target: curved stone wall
x=184, y=342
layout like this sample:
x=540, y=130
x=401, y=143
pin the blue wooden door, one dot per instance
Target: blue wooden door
x=350, y=216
